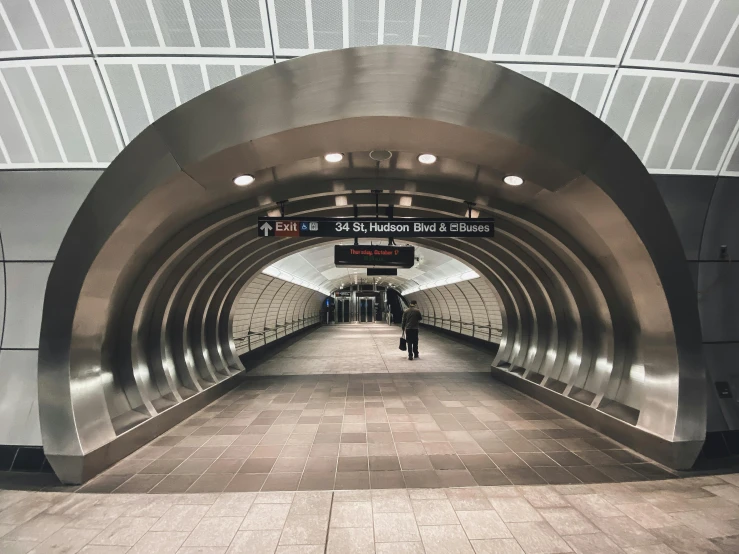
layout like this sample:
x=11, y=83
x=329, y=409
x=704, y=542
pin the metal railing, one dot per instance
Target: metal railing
x=269, y=334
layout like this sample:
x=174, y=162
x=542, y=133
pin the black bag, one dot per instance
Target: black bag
x=403, y=345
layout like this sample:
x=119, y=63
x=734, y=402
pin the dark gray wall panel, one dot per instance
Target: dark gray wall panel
x=687, y=198
x=722, y=223
x=718, y=301
x=36, y=207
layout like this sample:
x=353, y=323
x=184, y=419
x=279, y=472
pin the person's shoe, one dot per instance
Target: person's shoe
x=410, y=357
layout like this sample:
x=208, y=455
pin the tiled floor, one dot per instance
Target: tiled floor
x=372, y=348
x=384, y=462
x=699, y=514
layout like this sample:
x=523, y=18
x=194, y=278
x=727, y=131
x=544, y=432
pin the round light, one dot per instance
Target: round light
x=513, y=180
x=334, y=157
x=427, y=158
x=243, y=180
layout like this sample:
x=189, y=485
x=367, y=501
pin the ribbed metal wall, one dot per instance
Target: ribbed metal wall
x=469, y=307
x=269, y=308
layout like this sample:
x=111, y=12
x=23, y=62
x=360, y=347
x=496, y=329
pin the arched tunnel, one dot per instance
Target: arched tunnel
x=597, y=312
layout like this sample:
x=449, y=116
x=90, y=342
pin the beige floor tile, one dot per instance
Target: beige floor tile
x=544, y=497
x=594, y=505
x=729, y=492
x=395, y=527
x=351, y=514
x=468, y=499
x=427, y=494
x=8, y=498
x=538, y=537
x=181, y=518
x=445, y=539
x=391, y=501
x=124, y=531
x=707, y=527
x=568, y=521
x=399, y=548
x=434, y=512
x=304, y=529
x=5, y=529
x=624, y=531
x=352, y=496
x=596, y=543
x=483, y=524
x=232, y=504
x=651, y=549
x=214, y=531
x=37, y=529
x=17, y=547
x=98, y=549
x=684, y=540
x=66, y=541
x=159, y=542
x=265, y=516
x=254, y=542
x=24, y=510
x=515, y=510
x=202, y=550
x=357, y=540
x=647, y=515
x=311, y=503
x=300, y=549
x=274, y=498
x=497, y=546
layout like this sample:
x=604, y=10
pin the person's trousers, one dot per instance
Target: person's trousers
x=411, y=336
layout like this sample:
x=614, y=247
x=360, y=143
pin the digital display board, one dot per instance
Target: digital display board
x=374, y=256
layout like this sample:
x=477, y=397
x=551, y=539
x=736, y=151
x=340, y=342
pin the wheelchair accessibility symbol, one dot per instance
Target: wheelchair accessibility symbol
x=303, y=226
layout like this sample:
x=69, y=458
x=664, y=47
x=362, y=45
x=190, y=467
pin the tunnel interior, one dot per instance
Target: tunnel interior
x=584, y=289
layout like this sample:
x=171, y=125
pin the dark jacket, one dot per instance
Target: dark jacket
x=411, y=318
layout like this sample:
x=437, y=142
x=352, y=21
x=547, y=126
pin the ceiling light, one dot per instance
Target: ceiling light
x=334, y=157
x=342, y=200
x=513, y=180
x=243, y=180
x=427, y=158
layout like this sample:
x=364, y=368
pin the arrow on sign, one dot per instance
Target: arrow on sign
x=266, y=227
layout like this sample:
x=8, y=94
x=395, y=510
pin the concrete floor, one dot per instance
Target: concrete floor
x=388, y=461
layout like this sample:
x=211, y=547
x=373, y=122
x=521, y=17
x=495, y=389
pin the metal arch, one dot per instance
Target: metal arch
x=584, y=187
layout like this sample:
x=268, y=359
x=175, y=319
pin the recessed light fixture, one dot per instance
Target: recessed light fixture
x=513, y=180
x=334, y=157
x=426, y=158
x=243, y=180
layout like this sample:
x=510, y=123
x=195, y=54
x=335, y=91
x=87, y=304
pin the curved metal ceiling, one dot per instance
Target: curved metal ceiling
x=596, y=299
x=314, y=268
x=79, y=79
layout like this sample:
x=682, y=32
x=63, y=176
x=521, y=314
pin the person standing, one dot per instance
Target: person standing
x=411, y=318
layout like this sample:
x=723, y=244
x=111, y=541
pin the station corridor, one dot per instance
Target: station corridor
x=430, y=455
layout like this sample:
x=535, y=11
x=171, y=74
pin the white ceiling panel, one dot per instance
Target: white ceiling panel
x=198, y=27
x=696, y=35
x=595, y=31
x=676, y=122
x=80, y=78
x=55, y=115
x=30, y=28
x=142, y=89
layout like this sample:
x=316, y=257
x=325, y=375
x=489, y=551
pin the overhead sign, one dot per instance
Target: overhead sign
x=381, y=272
x=374, y=256
x=374, y=228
